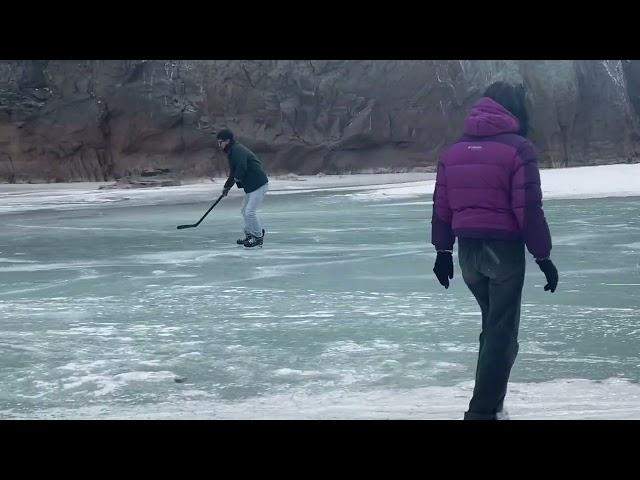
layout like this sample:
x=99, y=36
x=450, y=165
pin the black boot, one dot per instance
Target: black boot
x=254, y=241
x=241, y=241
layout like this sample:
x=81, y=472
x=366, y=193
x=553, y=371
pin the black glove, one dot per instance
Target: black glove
x=551, y=272
x=225, y=191
x=444, y=268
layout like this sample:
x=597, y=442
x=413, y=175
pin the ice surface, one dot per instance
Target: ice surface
x=103, y=303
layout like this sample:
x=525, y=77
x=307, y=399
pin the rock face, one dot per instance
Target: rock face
x=99, y=120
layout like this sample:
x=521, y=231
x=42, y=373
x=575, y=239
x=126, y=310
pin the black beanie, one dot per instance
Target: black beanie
x=225, y=134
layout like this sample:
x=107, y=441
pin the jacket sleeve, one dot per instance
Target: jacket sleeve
x=526, y=202
x=442, y=236
x=230, y=180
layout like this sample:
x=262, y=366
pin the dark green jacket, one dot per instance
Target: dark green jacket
x=244, y=169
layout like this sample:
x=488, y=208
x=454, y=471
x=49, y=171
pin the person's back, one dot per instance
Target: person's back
x=248, y=167
x=489, y=185
x=488, y=195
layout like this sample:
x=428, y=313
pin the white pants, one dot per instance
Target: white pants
x=252, y=202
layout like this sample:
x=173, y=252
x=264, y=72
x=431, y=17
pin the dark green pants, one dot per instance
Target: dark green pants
x=494, y=272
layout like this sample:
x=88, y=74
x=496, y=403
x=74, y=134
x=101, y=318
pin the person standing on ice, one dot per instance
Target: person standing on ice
x=488, y=194
x=245, y=170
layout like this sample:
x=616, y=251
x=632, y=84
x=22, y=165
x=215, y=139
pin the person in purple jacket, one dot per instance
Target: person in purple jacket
x=488, y=195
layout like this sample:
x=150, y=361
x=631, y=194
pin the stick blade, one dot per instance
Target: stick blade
x=180, y=227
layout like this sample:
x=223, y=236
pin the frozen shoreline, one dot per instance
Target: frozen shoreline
x=277, y=183
x=578, y=182
x=621, y=180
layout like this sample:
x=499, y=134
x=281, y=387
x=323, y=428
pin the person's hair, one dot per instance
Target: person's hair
x=225, y=134
x=511, y=97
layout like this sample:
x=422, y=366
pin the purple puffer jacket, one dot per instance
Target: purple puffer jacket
x=488, y=184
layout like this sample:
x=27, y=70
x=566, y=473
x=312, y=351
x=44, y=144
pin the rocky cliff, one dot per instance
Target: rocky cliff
x=99, y=120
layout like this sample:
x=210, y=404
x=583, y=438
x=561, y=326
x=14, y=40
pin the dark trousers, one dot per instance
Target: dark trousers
x=494, y=272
